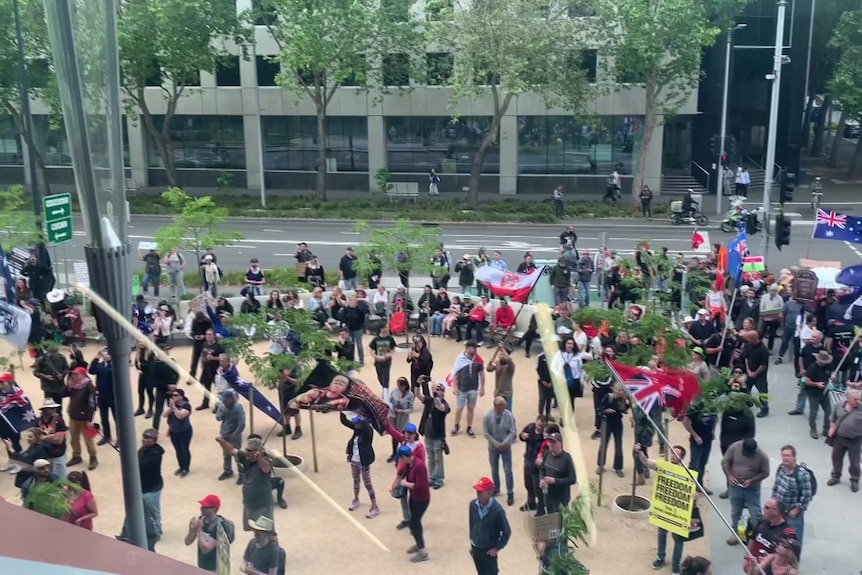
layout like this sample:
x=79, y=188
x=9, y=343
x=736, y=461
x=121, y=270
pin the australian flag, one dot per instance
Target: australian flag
x=16, y=410
x=736, y=250
x=242, y=387
x=675, y=389
x=831, y=225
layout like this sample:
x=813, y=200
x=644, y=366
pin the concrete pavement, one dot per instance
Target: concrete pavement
x=273, y=241
x=831, y=524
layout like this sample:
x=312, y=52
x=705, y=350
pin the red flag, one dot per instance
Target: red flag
x=674, y=388
x=515, y=286
x=696, y=240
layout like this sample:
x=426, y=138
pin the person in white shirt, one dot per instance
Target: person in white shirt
x=380, y=300
x=771, y=305
x=569, y=363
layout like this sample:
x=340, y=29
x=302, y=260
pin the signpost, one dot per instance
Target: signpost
x=57, y=215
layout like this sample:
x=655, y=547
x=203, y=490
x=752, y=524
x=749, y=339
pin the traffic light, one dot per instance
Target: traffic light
x=714, y=145
x=730, y=145
x=787, y=182
x=724, y=161
x=782, y=231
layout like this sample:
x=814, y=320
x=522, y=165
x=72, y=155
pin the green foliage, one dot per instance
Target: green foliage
x=224, y=183
x=326, y=44
x=196, y=225
x=846, y=83
x=823, y=49
x=387, y=243
x=505, y=48
x=17, y=222
x=53, y=498
x=573, y=534
x=171, y=41
x=266, y=368
x=383, y=180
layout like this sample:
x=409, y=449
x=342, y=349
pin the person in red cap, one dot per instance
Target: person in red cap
x=82, y=405
x=489, y=528
x=203, y=530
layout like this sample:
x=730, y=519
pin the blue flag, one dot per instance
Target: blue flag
x=218, y=328
x=735, y=252
x=16, y=409
x=834, y=226
x=242, y=387
x=6, y=278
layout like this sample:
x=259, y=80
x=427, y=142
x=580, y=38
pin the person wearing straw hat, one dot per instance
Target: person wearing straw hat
x=54, y=435
x=261, y=554
x=816, y=381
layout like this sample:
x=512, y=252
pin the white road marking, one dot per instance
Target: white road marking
x=272, y=231
x=854, y=249
x=349, y=233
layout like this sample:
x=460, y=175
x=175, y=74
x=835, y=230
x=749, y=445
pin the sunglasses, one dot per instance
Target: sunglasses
x=150, y=437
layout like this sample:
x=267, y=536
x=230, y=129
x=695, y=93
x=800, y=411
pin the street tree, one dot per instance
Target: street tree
x=17, y=221
x=846, y=83
x=505, y=48
x=41, y=79
x=328, y=44
x=166, y=44
x=403, y=247
x=657, y=46
x=196, y=226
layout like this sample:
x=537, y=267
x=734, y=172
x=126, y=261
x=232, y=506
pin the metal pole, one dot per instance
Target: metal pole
x=313, y=442
x=773, y=124
x=719, y=186
x=114, y=124
x=27, y=119
x=806, y=112
x=260, y=145
x=107, y=253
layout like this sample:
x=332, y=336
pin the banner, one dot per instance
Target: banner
x=14, y=324
x=672, y=498
x=515, y=286
x=222, y=552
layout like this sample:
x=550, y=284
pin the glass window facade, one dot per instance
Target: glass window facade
x=10, y=143
x=290, y=143
x=227, y=72
x=417, y=144
x=396, y=70
x=213, y=142
x=266, y=71
x=51, y=139
x=565, y=145
x=439, y=67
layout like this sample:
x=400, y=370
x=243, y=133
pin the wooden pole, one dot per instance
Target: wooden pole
x=313, y=442
x=251, y=406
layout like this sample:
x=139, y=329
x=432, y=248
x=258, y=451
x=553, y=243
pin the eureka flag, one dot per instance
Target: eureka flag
x=515, y=286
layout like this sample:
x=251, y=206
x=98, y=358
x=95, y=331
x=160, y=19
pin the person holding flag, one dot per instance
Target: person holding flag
x=16, y=414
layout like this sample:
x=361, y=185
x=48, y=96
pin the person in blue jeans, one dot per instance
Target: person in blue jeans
x=500, y=432
x=677, y=455
x=701, y=430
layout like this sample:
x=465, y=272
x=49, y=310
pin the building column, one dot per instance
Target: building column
x=376, y=148
x=509, y=155
x=138, y=150
x=252, y=135
x=653, y=168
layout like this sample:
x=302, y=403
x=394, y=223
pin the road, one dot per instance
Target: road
x=273, y=241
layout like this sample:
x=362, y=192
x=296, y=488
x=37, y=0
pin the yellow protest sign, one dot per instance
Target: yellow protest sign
x=672, y=498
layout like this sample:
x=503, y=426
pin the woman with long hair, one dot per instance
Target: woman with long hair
x=420, y=360
x=360, y=455
x=83, y=509
x=180, y=429
x=785, y=560
x=400, y=408
x=274, y=304
x=612, y=408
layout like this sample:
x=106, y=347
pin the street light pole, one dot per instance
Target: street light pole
x=724, y=103
x=26, y=117
x=778, y=61
x=257, y=114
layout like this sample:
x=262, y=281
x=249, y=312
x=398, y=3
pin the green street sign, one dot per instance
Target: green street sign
x=136, y=285
x=57, y=215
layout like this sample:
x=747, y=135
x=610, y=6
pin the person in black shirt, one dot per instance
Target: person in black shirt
x=354, y=317
x=344, y=346
x=701, y=429
x=806, y=359
x=382, y=348
x=211, y=349
x=702, y=329
x=839, y=338
x=757, y=369
x=261, y=554
x=533, y=435
x=200, y=324
x=557, y=475
x=432, y=425
x=612, y=408
x=816, y=381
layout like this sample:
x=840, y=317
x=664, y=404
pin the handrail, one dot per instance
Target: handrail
x=750, y=159
x=702, y=169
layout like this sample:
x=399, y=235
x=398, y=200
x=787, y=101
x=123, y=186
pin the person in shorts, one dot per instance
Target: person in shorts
x=469, y=385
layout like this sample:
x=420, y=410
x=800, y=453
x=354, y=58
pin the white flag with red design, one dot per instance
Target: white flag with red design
x=513, y=285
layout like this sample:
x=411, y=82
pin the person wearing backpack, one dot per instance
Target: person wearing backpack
x=795, y=486
x=204, y=529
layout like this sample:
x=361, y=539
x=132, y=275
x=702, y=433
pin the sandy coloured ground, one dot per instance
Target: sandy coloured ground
x=318, y=538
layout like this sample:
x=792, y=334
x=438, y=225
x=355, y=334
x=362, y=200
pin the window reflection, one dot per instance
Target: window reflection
x=10, y=143
x=418, y=144
x=566, y=145
x=290, y=143
x=214, y=142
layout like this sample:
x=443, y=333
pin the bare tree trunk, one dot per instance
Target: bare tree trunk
x=855, y=169
x=820, y=129
x=650, y=121
x=500, y=108
x=161, y=137
x=41, y=172
x=320, y=186
x=33, y=152
x=832, y=161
